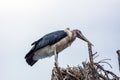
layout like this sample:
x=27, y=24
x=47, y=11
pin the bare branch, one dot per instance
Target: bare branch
x=90, y=71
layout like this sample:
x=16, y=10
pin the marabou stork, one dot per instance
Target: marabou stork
x=52, y=44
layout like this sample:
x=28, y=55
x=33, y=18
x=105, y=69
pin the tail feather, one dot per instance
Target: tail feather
x=29, y=53
x=31, y=62
x=29, y=58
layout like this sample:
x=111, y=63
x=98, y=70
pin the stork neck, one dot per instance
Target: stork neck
x=74, y=35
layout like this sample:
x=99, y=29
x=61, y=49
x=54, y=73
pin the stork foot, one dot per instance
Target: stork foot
x=56, y=56
x=56, y=59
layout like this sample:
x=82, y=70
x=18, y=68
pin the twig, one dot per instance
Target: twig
x=104, y=61
x=118, y=52
x=90, y=52
x=89, y=71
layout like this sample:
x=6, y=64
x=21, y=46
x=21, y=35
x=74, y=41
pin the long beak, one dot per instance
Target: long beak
x=81, y=36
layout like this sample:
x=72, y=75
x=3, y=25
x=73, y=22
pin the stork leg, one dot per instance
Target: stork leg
x=56, y=56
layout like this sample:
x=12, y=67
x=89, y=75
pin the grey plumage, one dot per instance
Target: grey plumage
x=46, y=40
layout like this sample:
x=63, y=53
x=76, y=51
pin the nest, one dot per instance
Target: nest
x=88, y=71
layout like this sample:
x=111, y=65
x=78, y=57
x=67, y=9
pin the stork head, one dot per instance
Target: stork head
x=78, y=33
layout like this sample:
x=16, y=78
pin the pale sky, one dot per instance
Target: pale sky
x=24, y=21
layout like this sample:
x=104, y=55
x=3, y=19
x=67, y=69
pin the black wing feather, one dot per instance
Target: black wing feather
x=49, y=39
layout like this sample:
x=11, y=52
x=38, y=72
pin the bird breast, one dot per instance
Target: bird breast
x=63, y=43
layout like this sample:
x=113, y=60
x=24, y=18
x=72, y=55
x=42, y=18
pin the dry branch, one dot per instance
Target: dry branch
x=118, y=52
x=89, y=71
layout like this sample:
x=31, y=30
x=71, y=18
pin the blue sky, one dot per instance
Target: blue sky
x=24, y=21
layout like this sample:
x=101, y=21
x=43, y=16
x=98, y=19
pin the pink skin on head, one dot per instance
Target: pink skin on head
x=78, y=33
